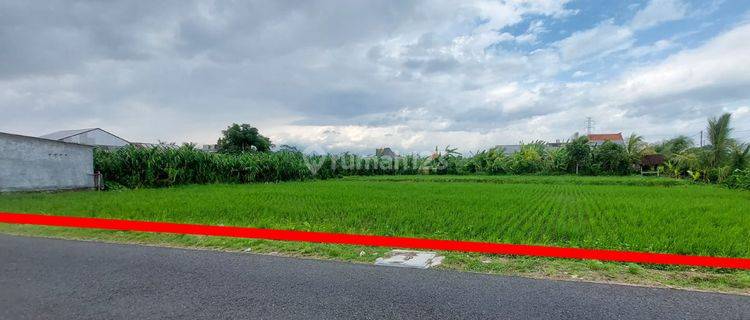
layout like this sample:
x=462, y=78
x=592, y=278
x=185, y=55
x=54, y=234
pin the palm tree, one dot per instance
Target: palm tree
x=674, y=146
x=634, y=147
x=739, y=155
x=718, y=136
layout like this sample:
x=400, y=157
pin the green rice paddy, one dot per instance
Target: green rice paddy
x=641, y=214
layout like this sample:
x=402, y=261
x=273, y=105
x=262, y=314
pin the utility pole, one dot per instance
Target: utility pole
x=589, y=125
x=701, y=138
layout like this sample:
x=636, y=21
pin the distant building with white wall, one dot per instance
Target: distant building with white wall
x=92, y=137
x=210, y=148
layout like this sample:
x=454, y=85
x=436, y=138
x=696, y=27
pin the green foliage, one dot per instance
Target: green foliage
x=739, y=155
x=611, y=159
x=739, y=179
x=579, y=154
x=556, y=161
x=445, y=162
x=163, y=167
x=695, y=175
x=674, y=146
x=714, y=162
x=718, y=136
x=492, y=161
x=243, y=138
x=169, y=165
x=528, y=160
x=635, y=148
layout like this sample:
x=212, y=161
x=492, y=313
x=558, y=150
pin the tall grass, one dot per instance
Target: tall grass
x=163, y=167
x=160, y=167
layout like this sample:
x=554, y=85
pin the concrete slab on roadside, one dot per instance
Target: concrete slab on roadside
x=410, y=259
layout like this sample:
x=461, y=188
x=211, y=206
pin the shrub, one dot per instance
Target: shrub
x=578, y=154
x=739, y=179
x=610, y=159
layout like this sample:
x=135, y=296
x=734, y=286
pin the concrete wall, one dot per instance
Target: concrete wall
x=97, y=137
x=29, y=163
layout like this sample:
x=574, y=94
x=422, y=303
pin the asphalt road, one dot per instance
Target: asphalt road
x=58, y=279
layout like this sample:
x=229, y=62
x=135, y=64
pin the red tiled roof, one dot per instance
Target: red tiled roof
x=605, y=137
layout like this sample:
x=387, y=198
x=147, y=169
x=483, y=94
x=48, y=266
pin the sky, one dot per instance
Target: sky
x=353, y=76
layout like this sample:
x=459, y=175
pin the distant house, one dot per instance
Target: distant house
x=385, y=152
x=91, y=137
x=599, y=138
x=210, y=148
x=509, y=149
x=556, y=145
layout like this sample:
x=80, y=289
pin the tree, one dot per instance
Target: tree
x=674, y=146
x=579, y=152
x=556, y=160
x=634, y=148
x=243, y=138
x=718, y=135
x=739, y=155
x=687, y=160
x=611, y=158
x=529, y=159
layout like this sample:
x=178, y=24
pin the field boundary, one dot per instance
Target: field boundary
x=376, y=241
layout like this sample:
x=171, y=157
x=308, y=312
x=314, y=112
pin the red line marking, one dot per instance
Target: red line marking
x=377, y=241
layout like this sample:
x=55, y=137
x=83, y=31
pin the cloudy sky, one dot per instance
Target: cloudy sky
x=356, y=75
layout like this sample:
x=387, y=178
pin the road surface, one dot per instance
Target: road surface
x=60, y=279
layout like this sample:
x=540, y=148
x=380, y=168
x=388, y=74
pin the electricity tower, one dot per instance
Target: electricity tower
x=589, y=125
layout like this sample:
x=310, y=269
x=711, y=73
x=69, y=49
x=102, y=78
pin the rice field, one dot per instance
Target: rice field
x=626, y=213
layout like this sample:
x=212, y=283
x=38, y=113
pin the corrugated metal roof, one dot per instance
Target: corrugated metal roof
x=59, y=135
x=45, y=139
x=385, y=152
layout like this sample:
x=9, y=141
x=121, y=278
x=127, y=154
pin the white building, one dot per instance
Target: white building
x=92, y=137
x=30, y=163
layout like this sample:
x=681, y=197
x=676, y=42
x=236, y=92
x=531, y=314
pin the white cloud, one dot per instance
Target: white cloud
x=656, y=47
x=534, y=30
x=500, y=14
x=717, y=68
x=599, y=41
x=657, y=12
x=410, y=75
x=579, y=74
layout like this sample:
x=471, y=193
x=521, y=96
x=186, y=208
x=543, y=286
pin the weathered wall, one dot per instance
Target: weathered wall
x=28, y=163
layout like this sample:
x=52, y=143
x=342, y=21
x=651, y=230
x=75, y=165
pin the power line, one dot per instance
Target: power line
x=671, y=135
